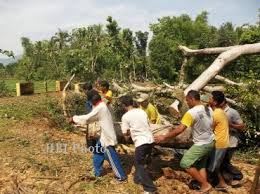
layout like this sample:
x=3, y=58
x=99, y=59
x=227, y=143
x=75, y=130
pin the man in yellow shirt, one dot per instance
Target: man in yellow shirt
x=151, y=110
x=105, y=92
x=221, y=131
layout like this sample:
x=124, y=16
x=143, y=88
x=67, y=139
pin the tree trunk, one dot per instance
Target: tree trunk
x=182, y=71
x=220, y=62
x=207, y=51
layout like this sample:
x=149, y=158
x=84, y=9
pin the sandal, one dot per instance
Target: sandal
x=218, y=188
x=203, y=191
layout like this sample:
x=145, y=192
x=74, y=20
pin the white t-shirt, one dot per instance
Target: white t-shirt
x=136, y=121
x=102, y=114
x=201, y=123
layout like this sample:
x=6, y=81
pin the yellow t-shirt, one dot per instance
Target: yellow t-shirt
x=109, y=94
x=152, y=113
x=221, y=128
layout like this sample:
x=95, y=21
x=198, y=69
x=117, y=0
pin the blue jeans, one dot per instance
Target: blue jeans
x=109, y=153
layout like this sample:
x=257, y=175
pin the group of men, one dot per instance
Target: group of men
x=212, y=126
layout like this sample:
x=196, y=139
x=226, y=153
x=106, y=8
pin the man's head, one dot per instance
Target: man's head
x=87, y=87
x=217, y=99
x=193, y=98
x=143, y=100
x=104, y=86
x=90, y=94
x=127, y=102
x=95, y=99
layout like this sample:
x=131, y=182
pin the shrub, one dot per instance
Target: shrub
x=54, y=113
x=4, y=91
x=249, y=108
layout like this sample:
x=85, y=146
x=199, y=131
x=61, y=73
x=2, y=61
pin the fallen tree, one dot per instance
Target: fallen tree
x=220, y=62
x=227, y=54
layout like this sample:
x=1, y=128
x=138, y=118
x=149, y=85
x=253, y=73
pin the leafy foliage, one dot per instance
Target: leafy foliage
x=249, y=109
x=4, y=91
x=112, y=52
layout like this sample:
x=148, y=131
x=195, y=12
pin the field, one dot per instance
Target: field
x=38, y=86
x=29, y=165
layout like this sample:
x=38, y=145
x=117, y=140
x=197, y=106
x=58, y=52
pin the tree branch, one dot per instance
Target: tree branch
x=220, y=62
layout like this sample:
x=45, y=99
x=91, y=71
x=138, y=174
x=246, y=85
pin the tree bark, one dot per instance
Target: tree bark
x=182, y=71
x=228, y=81
x=220, y=62
x=207, y=51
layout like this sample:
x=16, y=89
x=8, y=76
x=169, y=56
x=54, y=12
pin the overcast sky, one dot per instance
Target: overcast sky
x=40, y=19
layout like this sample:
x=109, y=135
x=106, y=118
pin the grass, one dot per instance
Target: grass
x=23, y=150
x=38, y=86
x=250, y=156
x=18, y=110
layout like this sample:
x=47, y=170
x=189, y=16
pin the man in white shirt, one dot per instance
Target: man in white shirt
x=135, y=123
x=104, y=148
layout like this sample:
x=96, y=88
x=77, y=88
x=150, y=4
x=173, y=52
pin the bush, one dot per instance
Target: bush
x=75, y=103
x=4, y=91
x=249, y=108
x=54, y=113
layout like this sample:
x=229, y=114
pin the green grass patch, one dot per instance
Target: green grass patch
x=22, y=111
x=39, y=86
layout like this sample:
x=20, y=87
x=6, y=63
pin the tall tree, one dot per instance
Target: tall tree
x=141, y=41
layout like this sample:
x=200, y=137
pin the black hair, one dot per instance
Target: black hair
x=87, y=86
x=194, y=94
x=135, y=104
x=95, y=99
x=218, y=96
x=104, y=84
x=90, y=94
x=127, y=101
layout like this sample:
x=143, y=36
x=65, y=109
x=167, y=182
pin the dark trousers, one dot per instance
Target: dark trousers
x=227, y=160
x=142, y=155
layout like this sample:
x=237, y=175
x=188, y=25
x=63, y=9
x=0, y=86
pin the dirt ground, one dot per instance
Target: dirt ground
x=36, y=158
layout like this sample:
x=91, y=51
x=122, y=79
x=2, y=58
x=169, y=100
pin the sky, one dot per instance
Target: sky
x=40, y=19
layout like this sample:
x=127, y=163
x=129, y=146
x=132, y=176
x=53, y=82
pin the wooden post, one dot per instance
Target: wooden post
x=60, y=85
x=18, y=89
x=78, y=87
x=45, y=86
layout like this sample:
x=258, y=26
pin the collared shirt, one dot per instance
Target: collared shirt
x=152, y=113
x=233, y=117
x=136, y=121
x=201, y=123
x=101, y=114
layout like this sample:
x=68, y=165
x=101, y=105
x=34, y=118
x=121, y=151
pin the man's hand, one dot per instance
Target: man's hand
x=70, y=120
x=160, y=138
